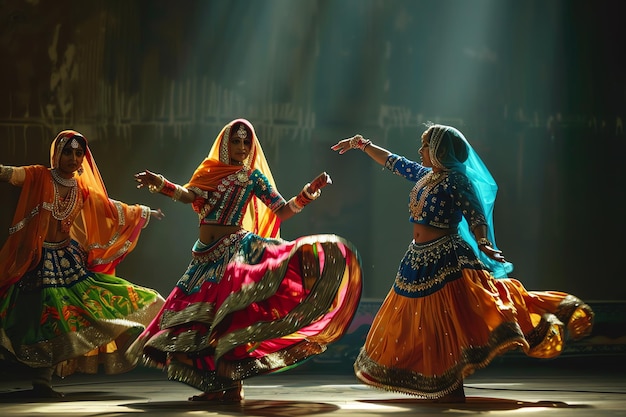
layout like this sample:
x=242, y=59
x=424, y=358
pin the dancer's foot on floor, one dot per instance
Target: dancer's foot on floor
x=231, y=395
x=45, y=391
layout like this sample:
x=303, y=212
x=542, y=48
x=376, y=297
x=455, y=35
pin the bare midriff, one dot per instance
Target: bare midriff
x=209, y=233
x=423, y=233
x=54, y=232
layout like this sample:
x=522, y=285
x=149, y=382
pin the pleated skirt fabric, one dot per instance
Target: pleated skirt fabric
x=247, y=306
x=63, y=316
x=446, y=316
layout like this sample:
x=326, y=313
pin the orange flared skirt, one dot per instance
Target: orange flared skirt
x=446, y=316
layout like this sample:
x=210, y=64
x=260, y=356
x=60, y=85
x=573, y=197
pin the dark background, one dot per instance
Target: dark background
x=536, y=86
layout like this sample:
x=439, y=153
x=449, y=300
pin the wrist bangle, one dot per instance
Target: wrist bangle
x=359, y=142
x=168, y=188
x=146, y=213
x=178, y=192
x=293, y=205
x=6, y=172
x=310, y=196
x=483, y=241
x=157, y=188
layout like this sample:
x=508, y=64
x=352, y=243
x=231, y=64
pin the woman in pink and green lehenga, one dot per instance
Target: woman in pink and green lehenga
x=249, y=303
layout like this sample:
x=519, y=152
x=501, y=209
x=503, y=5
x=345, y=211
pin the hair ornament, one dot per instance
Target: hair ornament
x=242, y=132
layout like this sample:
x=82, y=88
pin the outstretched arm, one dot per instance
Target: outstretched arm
x=310, y=192
x=157, y=214
x=375, y=152
x=12, y=175
x=156, y=183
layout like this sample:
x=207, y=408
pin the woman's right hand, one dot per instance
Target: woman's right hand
x=355, y=142
x=342, y=146
x=320, y=182
x=147, y=178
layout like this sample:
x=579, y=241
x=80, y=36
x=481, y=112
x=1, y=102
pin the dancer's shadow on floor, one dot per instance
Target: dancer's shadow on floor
x=259, y=408
x=478, y=404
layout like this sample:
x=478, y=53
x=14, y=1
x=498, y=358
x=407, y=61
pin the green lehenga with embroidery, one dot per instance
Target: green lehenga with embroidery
x=61, y=315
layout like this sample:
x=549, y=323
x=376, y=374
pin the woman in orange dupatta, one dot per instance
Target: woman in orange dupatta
x=62, y=309
x=249, y=303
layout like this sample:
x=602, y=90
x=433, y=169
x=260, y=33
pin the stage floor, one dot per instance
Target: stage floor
x=583, y=387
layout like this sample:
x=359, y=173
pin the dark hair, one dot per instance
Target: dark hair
x=452, y=140
x=81, y=140
x=235, y=128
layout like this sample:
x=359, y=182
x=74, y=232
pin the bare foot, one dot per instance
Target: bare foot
x=45, y=391
x=214, y=396
x=231, y=395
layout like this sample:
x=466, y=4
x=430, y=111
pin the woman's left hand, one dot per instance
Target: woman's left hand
x=494, y=254
x=147, y=178
x=320, y=182
x=157, y=214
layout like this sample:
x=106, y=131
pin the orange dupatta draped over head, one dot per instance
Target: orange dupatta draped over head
x=258, y=218
x=106, y=229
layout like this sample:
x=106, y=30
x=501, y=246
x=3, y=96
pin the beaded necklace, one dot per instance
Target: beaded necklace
x=426, y=183
x=66, y=182
x=63, y=207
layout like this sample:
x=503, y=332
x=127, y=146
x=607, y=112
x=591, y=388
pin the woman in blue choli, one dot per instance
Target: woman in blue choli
x=452, y=307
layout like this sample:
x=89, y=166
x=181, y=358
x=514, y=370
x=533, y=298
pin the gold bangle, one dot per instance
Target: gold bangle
x=310, y=196
x=178, y=192
x=6, y=173
x=359, y=142
x=294, y=206
x=157, y=188
x=483, y=241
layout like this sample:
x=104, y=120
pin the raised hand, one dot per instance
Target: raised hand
x=148, y=179
x=320, y=182
x=157, y=214
x=355, y=142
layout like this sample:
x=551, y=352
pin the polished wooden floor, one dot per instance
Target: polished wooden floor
x=594, y=387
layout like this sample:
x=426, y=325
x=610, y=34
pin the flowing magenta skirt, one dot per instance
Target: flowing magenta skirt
x=445, y=317
x=248, y=306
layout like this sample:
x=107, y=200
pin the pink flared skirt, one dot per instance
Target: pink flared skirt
x=248, y=306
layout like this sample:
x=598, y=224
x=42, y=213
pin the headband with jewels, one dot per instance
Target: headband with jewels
x=242, y=132
x=61, y=142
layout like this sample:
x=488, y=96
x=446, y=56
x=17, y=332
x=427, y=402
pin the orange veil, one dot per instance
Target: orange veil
x=208, y=175
x=106, y=229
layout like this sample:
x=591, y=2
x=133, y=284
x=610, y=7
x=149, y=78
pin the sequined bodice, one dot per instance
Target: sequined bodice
x=226, y=205
x=438, y=199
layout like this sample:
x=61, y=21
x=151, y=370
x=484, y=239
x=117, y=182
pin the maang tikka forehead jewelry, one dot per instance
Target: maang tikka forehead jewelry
x=74, y=144
x=242, y=132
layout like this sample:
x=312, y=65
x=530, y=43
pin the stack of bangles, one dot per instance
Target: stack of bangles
x=174, y=191
x=297, y=203
x=359, y=142
x=483, y=241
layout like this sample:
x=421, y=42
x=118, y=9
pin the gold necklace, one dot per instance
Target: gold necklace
x=64, y=206
x=66, y=182
x=426, y=183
